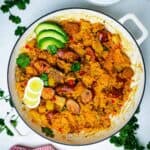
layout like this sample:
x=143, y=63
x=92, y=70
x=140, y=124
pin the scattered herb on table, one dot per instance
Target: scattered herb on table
x=14, y=122
x=44, y=77
x=47, y=131
x=3, y=127
x=127, y=136
x=20, y=30
x=75, y=66
x=23, y=60
x=148, y=145
x=6, y=8
x=7, y=98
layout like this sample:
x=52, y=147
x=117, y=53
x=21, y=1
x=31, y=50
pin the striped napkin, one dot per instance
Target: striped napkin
x=45, y=147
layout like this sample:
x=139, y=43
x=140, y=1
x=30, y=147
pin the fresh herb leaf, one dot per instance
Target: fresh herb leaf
x=148, y=145
x=1, y=93
x=52, y=49
x=44, y=77
x=127, y=136
x=20, y=30
x=14, y=123
x=4, y=8
x=21, y=4
x=9, y=3
x=2, y=122
x=23, y=60
x=75, y=67
x=47, y=131
x=2, y=128
x=15, y=19
x=27, y=1
x=8, y=131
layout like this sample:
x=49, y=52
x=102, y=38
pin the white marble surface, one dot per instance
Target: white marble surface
x=37, y=8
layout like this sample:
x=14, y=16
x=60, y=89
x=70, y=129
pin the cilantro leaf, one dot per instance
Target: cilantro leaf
x=9, y=3
x=52, y=49
x=2, y=128
x=4, y=8
x=8, y=131
x=20, y=30
x=2, y=123
x=47, y=131
x=148, y=145
x=20, y=4
x=23, y=60
x=27, y=1
x=14, y=122
x=1, y=93
x=15, y=19
x=44, y=77
x=75, y=67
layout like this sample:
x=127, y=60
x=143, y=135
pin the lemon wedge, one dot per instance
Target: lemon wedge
x=33, y=92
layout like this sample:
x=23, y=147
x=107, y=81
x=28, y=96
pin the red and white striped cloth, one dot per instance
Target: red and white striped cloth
x=45, y=147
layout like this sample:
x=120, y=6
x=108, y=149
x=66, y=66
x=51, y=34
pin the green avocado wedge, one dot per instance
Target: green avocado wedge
x=48, y=41
x=53, y=34
x=50, y=26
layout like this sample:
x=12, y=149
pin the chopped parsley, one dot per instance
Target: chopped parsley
x=47, y=131
x=75, y=66
x=23, y=60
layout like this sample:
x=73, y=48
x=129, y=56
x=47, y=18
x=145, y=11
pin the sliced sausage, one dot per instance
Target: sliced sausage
x=127, y=73
x=64, y=90
x=41, y=66
x=73, y=106
x=66, y=67
x=47, y=93
x=90, y=53
x=67, y=55
x=86, y=96
x=56, y=75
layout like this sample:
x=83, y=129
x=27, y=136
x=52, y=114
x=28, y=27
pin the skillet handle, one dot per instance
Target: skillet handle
x=135, y=20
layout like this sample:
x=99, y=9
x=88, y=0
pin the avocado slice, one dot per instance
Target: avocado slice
x=47, y=41
x=50, y=26
x=53, y=34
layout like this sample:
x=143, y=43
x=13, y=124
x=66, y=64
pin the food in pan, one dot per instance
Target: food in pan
x=86, y=76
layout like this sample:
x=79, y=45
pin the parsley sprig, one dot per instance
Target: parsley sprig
x=3, y=127
x=7, y=98
x=21, y=5
x=127, y=136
